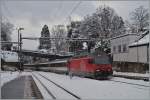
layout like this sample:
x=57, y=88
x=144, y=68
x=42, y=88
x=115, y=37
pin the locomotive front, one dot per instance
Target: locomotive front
x=91, y=65
x=102, y=66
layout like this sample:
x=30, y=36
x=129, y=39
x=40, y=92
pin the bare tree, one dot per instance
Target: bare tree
x=103, y=23
x=140, y=18
x=59, y=32
x=130, y=27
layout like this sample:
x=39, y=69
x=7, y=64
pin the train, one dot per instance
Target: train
x=98, y=66
x=93, y=66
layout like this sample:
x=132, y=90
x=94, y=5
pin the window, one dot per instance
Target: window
x=119, y=48
x=147, y=53
x=114, y=49
x=103, y=59
x=124, y=48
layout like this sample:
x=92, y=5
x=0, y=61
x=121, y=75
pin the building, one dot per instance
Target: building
x=130, y=52
x=9, y=60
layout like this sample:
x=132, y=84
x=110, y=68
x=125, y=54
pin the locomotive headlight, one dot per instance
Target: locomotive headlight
x=97, y=70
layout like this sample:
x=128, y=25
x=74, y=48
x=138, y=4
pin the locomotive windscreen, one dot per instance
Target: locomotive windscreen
x=101, y=60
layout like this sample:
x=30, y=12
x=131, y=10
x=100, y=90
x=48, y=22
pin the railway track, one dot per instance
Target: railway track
x=57, y=85
x=49, y=92
x=130, y=83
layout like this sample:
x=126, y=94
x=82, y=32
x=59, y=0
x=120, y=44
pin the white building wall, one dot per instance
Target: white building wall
x=138, y=54
x=132, y=55
x=120, y=57
x=142, y=54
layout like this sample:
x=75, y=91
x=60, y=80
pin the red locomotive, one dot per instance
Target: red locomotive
x=91, y=66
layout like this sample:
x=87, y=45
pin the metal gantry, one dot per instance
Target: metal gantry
x=20, y=38
x=67, y=39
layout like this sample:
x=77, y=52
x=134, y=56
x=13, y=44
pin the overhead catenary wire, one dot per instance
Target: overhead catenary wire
x=58, y=10
x=67, y=39
x=74, y=9
x=55, y=15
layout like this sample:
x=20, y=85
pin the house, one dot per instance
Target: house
x=130, y=52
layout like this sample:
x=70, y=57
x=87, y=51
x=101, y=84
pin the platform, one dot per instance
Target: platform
x=22, y=87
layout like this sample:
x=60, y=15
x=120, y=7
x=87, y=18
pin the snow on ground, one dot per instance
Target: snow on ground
x=56, y=91
x=95, y=89
x=7, y=76
x=44, y=93
x=85, y=88
x=131, y=74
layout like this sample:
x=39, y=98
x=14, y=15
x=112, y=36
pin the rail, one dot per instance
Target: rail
x=77, y=97
x=49, y=92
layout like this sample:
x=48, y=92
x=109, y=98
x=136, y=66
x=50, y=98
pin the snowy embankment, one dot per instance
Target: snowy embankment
x=99, y=89
x=131, y=74
x=7, y=76
x=140, y=82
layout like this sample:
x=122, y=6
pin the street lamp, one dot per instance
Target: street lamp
x=19, y=29
x=19, y=47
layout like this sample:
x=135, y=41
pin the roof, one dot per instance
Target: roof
x=123, y=35
x=143, y=40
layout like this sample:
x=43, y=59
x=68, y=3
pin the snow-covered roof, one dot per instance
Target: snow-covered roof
x=9, y=56
x=44, y=50
x=142, y=41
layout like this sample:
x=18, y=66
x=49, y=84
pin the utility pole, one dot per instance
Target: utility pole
x=67, y=40
x=18, y=49
x=21, y=52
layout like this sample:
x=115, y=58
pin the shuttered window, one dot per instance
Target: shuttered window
x=114, y=49
x=124, y=48
x=119, y=48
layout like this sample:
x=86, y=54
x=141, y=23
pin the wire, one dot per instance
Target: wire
x=58, y=10
x=74, y=8
x=55, y=12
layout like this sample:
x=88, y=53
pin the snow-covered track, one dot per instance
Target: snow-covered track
x=77, y=97
x=130, y=83
x=49, y=92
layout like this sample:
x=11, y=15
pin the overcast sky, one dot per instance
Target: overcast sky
x=32, y=15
